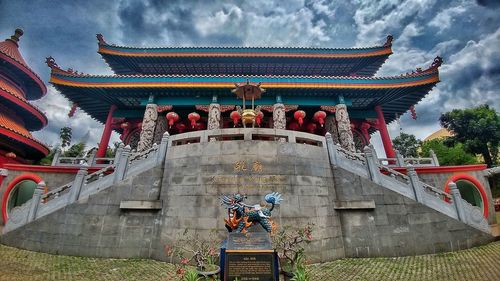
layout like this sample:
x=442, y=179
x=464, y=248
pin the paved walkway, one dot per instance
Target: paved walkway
x=482, y=263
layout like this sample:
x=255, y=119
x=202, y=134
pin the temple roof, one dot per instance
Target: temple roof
x=245, y=60
x=95, y=93
x=16, y=65
x=12, y=97
x=20, y=140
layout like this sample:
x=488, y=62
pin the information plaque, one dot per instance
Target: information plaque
x=250, y=257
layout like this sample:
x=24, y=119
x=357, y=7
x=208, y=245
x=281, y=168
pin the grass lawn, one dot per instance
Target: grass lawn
x=481, y=263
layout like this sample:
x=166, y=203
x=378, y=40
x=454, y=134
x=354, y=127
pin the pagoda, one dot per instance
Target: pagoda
x=181, y=89
x=18, y=85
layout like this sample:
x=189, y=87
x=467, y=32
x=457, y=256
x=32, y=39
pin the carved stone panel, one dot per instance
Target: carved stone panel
x=160, y=129
x=148, y=127
x=331, y=127
x=214, y=116
x=279, y=118
x=344, y=128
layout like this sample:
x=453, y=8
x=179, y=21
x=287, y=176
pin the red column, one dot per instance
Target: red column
x=106, y=134
x=384, y=134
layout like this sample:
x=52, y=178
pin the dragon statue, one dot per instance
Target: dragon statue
x=241, y=216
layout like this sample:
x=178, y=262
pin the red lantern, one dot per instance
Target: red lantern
x=299, y=116
x=124, y=125
x=320, y=117
x=258, y=118
x=311, y=127
x=193, y=117
x=180, y=127
x=200, y=126
x=235, y=116
x=172, y=117
x=293, y=126
x=11, y=155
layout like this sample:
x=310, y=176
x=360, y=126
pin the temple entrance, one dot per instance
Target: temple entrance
x=470, y=193
x=21, y=193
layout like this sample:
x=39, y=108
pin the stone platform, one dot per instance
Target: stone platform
x=356, y=213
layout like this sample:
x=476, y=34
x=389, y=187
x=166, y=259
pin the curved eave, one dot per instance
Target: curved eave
x=34, y=85
x=227, y=82
x=34, y=119
x=31, y=145
x=244, y=52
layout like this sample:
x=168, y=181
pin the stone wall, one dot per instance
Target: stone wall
x=378, y=222
x=51, y=179
x=197, y=174
x=397, y=226
x=439, y=180
x=96, y=226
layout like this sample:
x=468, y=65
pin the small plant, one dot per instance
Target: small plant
x=301, y=274
x=191, y=249
x=289, y=243
x=191, y=275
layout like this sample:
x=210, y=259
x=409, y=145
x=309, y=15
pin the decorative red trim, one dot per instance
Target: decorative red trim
x=28, y=72
x=444, y=169
x=30, y=142
x=47, y=169
x=28, y=107
x=476, y=184
x=12, y=184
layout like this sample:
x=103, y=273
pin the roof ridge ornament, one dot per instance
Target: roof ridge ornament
x=100, y=39
x=388, y=41
x=15, y=38
x=51, y=62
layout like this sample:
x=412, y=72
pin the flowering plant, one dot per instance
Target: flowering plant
x=191, y=249
x=289, y=243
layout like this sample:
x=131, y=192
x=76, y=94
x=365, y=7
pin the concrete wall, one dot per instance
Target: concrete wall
x=397, y=226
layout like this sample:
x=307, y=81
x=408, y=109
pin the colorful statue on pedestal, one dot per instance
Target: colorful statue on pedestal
x=241, y=216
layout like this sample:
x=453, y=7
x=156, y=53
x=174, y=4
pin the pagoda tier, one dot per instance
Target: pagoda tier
x=130, y=93
x=18, y=84
x=245, y=60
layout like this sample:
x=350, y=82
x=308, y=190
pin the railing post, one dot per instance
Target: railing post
x=57, y=154
x=36, y=200
x=415, y=183
x=162, y=149
x=91, y=159
x=399, y=159
x=122, y=165
x=332, y=150
x=372, y=164
x=77, y=185
x=118, y=154
x=435, y=160
x=457, y=201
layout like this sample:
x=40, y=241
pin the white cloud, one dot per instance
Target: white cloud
x=443, y=20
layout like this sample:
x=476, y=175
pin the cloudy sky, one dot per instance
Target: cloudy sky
x=465, y=33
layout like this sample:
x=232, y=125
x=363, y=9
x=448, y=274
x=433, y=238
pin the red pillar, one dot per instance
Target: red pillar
x=384, y=134
x=106, y=134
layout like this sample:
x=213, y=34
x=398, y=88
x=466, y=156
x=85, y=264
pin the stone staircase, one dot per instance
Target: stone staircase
x=366, y=165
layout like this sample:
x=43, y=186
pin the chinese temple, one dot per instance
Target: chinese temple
x=183, y=89
x=18, y=85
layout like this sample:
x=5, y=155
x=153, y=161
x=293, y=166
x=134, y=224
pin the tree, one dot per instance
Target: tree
x=407, y=145
x=447, y=156
x=478, y=129
x=47, y=160
x=76, y=150
x=65, y=136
